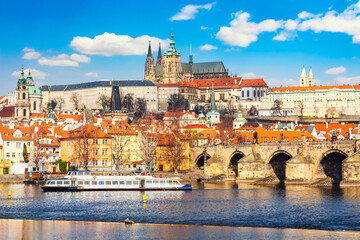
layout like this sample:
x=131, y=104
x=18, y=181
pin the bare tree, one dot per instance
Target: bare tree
x=128, y=102
x=147, y=139
x=276, y=108
x=59, y=101
x=75, y=99
x=82, y=147
x=300, y=106
x=103, y=101
x=331, y=112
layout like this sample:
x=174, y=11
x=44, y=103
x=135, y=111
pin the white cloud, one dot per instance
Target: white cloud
x=189, y=11
x=348, y=80
x=109, y=44
x=208, y=47
x=203, y=28
x=291, y=24
x=242, y=32
x=91, y=74
x=306, y=15
x=248, y=75
x=30, y=53
x=336, y=70
x=80, y=58
x=36, y=74
x=347, y=22
x=60, y=60
x=283, y=36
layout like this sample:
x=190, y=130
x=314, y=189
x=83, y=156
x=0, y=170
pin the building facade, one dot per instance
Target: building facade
x=88, y=93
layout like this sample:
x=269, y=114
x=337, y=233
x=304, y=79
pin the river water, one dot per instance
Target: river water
x=223, y=204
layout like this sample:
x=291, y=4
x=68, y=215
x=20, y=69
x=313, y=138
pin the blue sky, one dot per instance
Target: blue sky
x=80, y=41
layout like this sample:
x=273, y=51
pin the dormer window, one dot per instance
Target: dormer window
x=6, y=134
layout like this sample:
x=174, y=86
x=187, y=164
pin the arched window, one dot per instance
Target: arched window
x=17, y=112
x=24, y=112
x=34, y=105
x=242, y=93
x=24, y=95
x=248, y=93
x=18, y=95
x=254, y=93
x=258, y=93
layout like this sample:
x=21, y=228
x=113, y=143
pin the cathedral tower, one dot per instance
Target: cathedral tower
x=149, y=66
x=303, y=78
x=311, y=78
x=171, y=62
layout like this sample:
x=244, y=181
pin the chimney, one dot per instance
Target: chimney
x=327, y=125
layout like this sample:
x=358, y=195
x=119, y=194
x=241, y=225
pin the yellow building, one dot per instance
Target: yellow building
x=124, y=144
x=5, y=165
x=170, y=152
x=95, y=154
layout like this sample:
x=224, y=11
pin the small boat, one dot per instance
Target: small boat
x=83, y=180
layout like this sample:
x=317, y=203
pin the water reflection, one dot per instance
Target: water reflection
x=228, y=204
x=30, y=229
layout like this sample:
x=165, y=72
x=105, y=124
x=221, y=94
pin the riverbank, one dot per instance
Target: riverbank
x=50, y=229
x=12, y=178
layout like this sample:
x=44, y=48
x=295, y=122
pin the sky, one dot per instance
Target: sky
x=65, y=42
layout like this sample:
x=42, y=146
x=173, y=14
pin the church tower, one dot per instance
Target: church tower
x=171, y=62
x=22, y=105
x=311, y=78
x=303, y=78
x=159, y=57
x=149, y=66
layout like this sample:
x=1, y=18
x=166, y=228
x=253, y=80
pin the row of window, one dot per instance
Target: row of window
x=100, y=182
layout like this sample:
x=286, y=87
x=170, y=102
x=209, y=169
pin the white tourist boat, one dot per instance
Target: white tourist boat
x=81, y=180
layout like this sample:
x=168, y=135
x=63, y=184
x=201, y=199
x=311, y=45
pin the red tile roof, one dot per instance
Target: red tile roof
x=219, y=83
x=7, y=112
x=258, y=82
x=314, y=88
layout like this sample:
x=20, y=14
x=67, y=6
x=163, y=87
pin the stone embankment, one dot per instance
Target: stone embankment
x=16, y=178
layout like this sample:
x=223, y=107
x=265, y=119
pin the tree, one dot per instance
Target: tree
x=82, y=145
x=276, y=108
x=177, y=102
x=59, y=101
x=147, y=139
x=331, y=112
x=103, y=101
x=128, y=102
x=25, y=154
x=178, y=147
x=300, y=105
x=140, y=104
x=75, y=99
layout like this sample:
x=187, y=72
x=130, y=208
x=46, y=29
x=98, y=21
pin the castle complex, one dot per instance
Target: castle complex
x=170, y=69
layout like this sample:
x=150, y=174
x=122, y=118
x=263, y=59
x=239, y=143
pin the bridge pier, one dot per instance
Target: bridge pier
x=351, y=168
x=299, y=169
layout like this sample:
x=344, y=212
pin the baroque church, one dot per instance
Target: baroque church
x=170, y=69
x=28, y=98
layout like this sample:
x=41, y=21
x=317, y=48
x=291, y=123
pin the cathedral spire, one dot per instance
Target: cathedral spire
x=311, y=73
x=159, y=57
x=149, y=49
x=191, y=56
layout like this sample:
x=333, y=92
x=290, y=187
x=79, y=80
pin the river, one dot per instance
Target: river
x=222, y=204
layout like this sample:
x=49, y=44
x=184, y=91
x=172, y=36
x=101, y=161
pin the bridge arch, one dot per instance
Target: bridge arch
x=331, y=162
x=201, y=159
x=234, y=161
x=278, y=163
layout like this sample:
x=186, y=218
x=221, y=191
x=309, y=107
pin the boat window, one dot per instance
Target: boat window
x=52, y=183
x=135, y=182
x=94, y=182
x=59, y=182
x=149, y=182
x=101, y=182
x=122, y=182
x=177, y=182
x=80, y=173
x=108, y=182
x=48, y=182
x=115, y=182
x=87, y=174
x=66, y=182
x=162, y=182
x=69, y=173
x=81, y=182
x=156, y=182
x=87, y=182
x=128, y=182
x=170, y=182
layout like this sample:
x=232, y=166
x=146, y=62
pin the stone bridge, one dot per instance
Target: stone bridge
x=289, y=162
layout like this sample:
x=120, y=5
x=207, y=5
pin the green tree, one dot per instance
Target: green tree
x=103, y=101
x=25, y=154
